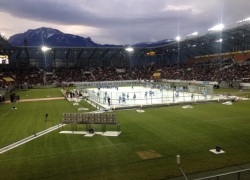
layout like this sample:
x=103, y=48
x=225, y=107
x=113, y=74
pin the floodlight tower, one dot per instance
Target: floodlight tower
x=244, y=21
x=195, y=34
x=217, y=28
x=130, y=50
x=44, y=49
x=178, y=38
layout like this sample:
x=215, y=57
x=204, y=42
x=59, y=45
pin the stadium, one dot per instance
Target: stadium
x=175, y=111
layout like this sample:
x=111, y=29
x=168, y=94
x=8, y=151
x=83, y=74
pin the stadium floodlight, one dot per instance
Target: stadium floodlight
x=178, y=38
x=244, y=21
x=195, y=33
x=219, y=40
x=44, y=48
x=218, y=27
x=192, y=35
x=129, y=49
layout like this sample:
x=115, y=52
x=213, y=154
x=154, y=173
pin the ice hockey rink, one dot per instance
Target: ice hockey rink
x=134, y=96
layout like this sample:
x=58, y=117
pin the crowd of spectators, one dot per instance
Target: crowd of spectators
x=28, y=76
x=211, y=60
x=198, y=72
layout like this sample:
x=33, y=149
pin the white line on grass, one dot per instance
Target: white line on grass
x=27, y=139
x=108, y=140
x=104, y=136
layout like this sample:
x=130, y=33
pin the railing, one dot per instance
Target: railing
x=83, y=85
x=45, y=86
x=235, y=175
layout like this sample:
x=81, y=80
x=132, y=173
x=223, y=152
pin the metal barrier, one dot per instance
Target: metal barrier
x=235, y=175
x=85, y=85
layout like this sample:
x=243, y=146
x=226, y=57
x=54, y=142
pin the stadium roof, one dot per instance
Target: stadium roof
x=228, y=40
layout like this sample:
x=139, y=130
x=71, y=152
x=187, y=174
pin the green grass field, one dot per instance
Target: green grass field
x=37, y=93
x=146, y=148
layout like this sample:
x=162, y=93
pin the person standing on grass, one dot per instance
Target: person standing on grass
x=46, y=116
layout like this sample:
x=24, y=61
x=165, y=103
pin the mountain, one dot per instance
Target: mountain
x=55, y=38
x=50, y=37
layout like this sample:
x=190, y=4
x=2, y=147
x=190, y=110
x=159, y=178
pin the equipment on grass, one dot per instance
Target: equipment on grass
x=217, y=148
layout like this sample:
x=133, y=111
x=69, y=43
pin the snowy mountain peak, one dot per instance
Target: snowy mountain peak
x=55, y=38
x=50, y=37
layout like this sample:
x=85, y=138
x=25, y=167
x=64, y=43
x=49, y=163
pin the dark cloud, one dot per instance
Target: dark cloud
x=131, y=20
